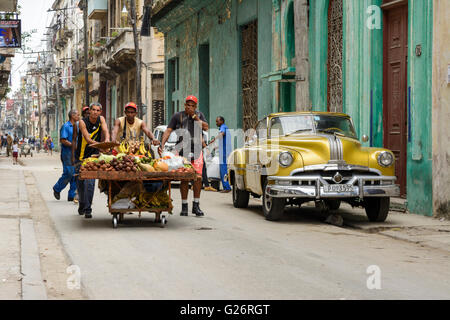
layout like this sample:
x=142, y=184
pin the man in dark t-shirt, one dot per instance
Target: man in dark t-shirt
x=189, y=125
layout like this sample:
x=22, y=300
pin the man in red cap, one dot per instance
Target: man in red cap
x=129, y=127
x=189, y=125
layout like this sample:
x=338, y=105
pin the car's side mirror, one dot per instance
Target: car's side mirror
x=365, y=138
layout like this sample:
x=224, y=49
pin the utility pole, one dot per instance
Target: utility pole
x=138, y=57
x=57, y=105
x=46, y=104
x=40, y=116
x=86, y=74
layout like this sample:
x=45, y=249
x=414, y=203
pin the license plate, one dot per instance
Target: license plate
x=338, y=188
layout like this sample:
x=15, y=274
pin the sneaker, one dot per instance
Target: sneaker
x=210, y=189
x=56, y=194
x=70, y=199
x=88, y=215
x=225, y=191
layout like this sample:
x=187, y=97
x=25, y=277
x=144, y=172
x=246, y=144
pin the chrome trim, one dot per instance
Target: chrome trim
x=279, y=162
x=278, y=191
x=379, y=156
x=342, y=166
x=316, y=190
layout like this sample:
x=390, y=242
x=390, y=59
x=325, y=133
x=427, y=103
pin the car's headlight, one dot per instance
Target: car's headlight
x=385, y=159
x=285, y=159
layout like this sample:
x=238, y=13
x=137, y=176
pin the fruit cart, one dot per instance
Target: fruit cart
x=114, y=178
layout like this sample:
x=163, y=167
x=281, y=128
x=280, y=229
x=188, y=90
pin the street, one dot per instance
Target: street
x=228, y=254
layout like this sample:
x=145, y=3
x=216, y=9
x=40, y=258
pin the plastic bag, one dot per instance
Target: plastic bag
x=123, y=204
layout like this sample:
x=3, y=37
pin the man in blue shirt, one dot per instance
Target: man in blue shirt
x=68, y=175
x=224, y=151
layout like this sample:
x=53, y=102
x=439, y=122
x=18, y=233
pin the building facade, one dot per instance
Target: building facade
x=371, y=59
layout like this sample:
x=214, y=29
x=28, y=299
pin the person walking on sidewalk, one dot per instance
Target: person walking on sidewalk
x=15, y=151
x=9, y=142
x=50, y=145
x=93, y=129
x=190, y=124
x=68, y=176
x=224, y=151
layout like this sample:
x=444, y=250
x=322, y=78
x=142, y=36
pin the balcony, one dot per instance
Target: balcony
x=117, y=56
x=97, y=9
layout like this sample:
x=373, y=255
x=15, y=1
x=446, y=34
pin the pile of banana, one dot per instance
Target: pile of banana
x=134, y=147
x=158, y=199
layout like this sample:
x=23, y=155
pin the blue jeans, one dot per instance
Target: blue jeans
x=86, y=190
x=223, y=172
x=68, y=176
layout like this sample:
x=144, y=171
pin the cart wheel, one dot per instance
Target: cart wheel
x=32, y=154
x=114, y=221
x=121, y=218
x=163, y=222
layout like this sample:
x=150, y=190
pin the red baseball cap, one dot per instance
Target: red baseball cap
x=131, y=105
x=85, y=108
x=192, y=98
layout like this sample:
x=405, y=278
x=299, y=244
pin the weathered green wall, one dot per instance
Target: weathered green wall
x=363, y=83
x=419, y=162
x=224, y=46
x=318, y=46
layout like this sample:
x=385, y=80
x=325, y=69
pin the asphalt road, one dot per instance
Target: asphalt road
x=234, y=253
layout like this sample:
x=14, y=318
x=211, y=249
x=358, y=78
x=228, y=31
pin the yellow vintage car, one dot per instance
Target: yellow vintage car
x=297, y=157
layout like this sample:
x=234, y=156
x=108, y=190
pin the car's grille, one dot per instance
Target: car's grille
x=328, y=177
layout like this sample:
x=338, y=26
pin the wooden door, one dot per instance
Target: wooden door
x=395, y=88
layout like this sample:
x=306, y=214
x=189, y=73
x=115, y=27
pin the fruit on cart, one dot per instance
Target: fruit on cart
x=161, y=166
x=146, y=167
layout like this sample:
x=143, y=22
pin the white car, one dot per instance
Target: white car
x=210, y=154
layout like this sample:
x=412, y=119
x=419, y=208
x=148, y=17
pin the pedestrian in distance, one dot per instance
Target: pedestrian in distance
x=190, y=124
x=15, y=151
x=68, y=176
x=93, y=129
x=44, y=142
x=224, y=151
x=9, y=143
x=50, y=145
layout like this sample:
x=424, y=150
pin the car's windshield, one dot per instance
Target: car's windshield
x=306, y=124
x=334, y=124
x=286, y=125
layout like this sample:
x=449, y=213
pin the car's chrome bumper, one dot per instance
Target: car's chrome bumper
x=361, y=186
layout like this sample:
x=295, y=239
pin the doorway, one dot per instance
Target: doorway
x=203, y=79
x=395, y=56
x=249, y=74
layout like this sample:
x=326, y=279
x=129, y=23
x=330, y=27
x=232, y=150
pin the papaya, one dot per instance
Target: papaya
x=146, y=167
x=161, y=166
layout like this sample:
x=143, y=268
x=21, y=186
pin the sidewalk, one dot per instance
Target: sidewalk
x=422, y=230
x=20, y=274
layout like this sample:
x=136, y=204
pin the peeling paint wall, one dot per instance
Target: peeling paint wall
x=218, y=24
x=440, y=108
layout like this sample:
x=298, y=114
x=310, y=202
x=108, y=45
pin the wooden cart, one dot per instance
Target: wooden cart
x=113, y=177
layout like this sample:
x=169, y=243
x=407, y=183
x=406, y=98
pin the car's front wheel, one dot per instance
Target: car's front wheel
x=273, y=208
x=377, y=209
x=240, y=197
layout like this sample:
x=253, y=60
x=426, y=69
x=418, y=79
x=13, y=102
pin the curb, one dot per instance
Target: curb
x=33, y=287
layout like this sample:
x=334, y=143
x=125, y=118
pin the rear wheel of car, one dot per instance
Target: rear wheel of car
x=333, y=204
x=377, y=209
x=273, y=208
x=240, y=197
